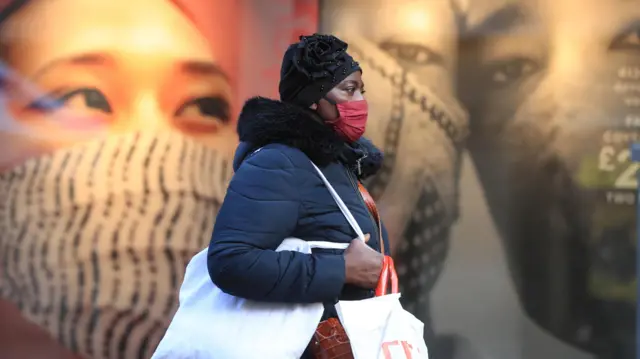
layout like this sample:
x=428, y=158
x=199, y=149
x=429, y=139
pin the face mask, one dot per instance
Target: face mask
x=554, y=159
x=421, y=134
x=352, y=121
x=96, y=238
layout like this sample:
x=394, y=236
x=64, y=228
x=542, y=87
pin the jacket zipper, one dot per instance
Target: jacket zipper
x=354, y=184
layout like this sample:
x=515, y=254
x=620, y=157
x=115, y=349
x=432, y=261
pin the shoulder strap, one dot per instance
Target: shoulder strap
x=373, y=209
x=343, y=207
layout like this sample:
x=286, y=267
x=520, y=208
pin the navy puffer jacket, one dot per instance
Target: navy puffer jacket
x=276, y=193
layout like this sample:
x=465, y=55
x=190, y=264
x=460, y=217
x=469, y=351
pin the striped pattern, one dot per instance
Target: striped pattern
x=95, y=239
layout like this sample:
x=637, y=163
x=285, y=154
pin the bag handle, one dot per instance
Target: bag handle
x=388, y=274
x=343, y=207
x=327, y=245
x=373, y=209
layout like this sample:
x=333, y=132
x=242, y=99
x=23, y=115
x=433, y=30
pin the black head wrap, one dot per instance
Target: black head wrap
x=312, y=67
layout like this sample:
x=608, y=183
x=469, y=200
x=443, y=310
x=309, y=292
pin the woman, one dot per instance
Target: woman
x=276, y=193
x=115, y=161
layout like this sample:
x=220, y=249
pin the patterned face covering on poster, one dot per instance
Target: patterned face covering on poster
x=421, y=134
x=96, y=238
x=117, y=129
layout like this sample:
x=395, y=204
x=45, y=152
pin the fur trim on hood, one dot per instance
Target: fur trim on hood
x=264, y=121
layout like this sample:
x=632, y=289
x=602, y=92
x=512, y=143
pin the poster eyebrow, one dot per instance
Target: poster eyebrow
x=93, y=59
x=500, y=21
x=203, y=68
x=8, y=8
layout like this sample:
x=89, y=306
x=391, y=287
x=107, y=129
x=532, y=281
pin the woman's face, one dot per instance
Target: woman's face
x=350, y=89
x=109, y=67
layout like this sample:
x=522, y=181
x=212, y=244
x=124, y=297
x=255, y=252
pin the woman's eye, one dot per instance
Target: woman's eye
x=352, y=90
x=413, y=54
x=505, y=73
x=81, y=99
x=628, y=40
x=206, y=108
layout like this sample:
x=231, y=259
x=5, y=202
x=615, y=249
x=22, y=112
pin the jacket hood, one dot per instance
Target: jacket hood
x=264, y=121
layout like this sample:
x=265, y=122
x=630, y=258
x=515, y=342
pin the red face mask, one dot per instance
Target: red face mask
x=352, y=120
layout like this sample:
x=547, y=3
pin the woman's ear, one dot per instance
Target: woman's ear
x=314, y=106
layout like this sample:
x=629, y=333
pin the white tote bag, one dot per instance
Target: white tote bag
x=379, y=328
x=211, y=324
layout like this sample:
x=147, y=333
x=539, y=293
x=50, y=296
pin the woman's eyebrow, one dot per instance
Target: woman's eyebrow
x=350, y=82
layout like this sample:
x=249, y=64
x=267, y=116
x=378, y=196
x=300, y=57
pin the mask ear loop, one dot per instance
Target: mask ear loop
x=335, y=105
x=330, y=101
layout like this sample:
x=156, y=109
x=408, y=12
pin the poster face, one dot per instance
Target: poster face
x=408, y=53
x=118, y=127
x=552, y=92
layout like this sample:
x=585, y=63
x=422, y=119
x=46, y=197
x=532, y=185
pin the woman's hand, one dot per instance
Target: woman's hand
x=363, y=264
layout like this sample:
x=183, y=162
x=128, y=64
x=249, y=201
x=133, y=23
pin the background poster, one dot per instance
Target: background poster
x=507, y=185
x=117, y=124
x=551, y=93
x=408, y=52
x=552, y=90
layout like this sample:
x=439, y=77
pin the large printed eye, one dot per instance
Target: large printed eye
x=506, y=72
x=411, y=53
x=80, y=99
x=628, y=40
x=203, y=113
x=206, y=108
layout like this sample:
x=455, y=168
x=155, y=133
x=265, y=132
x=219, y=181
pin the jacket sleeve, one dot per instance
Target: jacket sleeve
x=260, y=210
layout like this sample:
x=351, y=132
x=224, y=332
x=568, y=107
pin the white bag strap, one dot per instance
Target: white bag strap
x=327, y=245
x=343, y=207
x=300, y=245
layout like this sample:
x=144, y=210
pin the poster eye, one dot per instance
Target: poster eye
x=629, y=40
x=84, y=99
x=411, y=53
x=211, y=107
x=507, y=72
